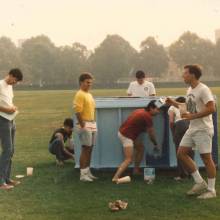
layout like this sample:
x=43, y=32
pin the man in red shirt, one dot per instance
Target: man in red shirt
x=138, y=121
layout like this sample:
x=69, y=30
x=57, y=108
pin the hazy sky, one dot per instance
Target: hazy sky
x=89, y=21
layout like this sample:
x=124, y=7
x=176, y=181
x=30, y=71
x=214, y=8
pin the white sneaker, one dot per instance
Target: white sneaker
x=197, y=189
x=85, y=178
x=207, y=195
x=90, y=175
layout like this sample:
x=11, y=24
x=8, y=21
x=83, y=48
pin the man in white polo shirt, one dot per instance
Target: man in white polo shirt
x=7, y=127
x=140, y=88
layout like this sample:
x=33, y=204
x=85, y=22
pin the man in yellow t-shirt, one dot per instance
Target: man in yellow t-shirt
x=84, y=108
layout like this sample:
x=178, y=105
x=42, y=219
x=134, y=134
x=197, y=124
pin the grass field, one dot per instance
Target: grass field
x=56, y=193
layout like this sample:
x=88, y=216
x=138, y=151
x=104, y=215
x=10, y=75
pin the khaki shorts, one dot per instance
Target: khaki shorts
x=86, y=137
x=200, y=140
x=126, y=142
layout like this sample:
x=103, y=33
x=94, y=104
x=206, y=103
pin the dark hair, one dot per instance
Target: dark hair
x=181, y=99
x=140, y=74
x=150, y=105
x=16, y=73
x=68, y=122
x=85, y=76
x=195, y=70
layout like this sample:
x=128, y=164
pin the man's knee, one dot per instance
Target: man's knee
x=129, y=160
x=86, y=149
x=57, y=141
x=55, y=145
x=207, y=158
x=182, y=152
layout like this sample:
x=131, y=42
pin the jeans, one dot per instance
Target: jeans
x=7, y=134
x=56, y=148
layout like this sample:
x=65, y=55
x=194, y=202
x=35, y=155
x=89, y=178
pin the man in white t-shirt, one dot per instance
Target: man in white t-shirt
x=200, y=106
x=140, y=88
x=7, y=127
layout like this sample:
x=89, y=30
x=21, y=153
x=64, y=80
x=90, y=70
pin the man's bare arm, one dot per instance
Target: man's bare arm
x=151, y=134
x=60, y=137
x=80, y=120
x=209, y=109
x=172, y=102
x=9, y=110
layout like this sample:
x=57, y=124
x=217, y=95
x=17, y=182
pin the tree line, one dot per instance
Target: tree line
x=43, y=63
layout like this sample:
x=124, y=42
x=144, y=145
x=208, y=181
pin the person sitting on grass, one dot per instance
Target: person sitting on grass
x=137, y=122
x=60, y=137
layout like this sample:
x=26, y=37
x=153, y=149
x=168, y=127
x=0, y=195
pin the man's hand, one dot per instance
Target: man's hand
x=82, y=124
x=157, y=148
x=209, y=109
x=11, y=110
x=187, y=116
x=80, y=120
x=157, y=151
x=169, y=101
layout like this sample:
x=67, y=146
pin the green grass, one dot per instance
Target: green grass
x=56, y=193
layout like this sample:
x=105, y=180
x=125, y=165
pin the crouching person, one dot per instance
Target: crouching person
x=137, y=122
x=60, y=138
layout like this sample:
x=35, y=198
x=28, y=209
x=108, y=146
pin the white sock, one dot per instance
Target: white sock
x=84, y=171
x=211, y=184
x=197, y=177
x=89, y=171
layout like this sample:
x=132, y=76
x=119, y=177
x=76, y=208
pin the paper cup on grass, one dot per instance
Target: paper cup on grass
x=30, y=171
x=19, y=176
x=125, y=179
x=149, y=175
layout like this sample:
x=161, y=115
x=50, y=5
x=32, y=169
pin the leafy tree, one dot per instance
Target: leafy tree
x=9, y=55
x=71, y=62
x=39, y=55
x=113, y=59
x=190, y=48
x=152, y=58
x=216, y=59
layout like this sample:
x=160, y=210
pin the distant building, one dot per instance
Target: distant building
x=217, y=35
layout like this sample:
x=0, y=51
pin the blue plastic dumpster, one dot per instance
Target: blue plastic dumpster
x=108, y=152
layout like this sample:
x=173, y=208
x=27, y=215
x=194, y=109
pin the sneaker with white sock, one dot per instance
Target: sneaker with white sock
x=85, y=178
x=207, y=195
x=197, y=189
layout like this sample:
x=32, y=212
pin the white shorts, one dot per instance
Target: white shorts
x=200, y=140
x=126, y=142
x=86, y=137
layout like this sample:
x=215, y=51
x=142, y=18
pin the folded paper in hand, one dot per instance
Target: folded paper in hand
x=9, y=117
